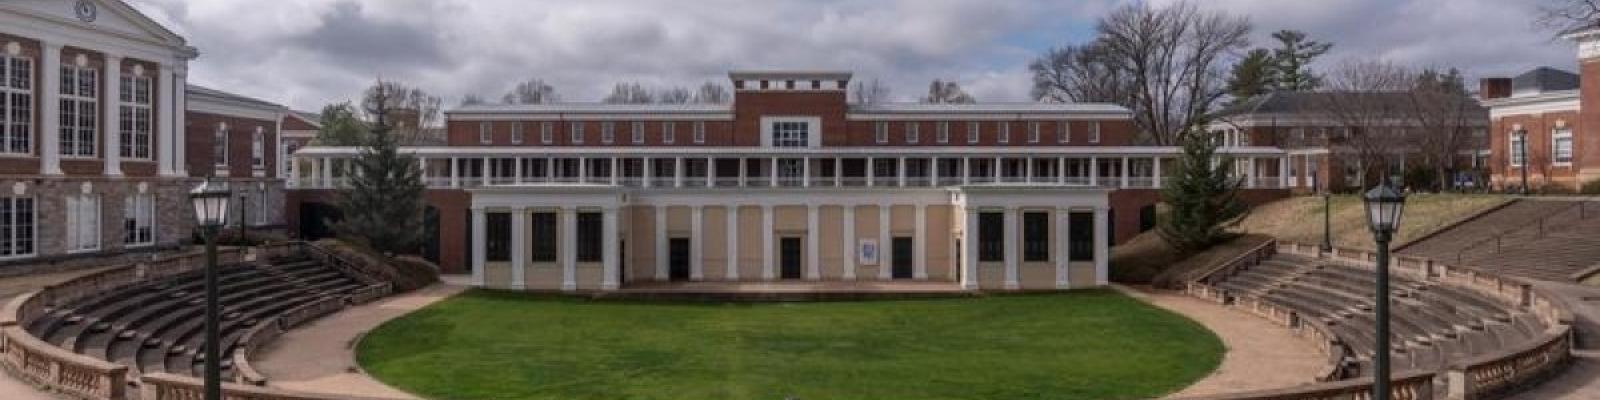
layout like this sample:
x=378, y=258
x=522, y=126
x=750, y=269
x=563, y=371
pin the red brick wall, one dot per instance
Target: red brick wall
x=466, y=133
x=750, y=106
x=200, y=136
x=1539, y=128
x=292, y=122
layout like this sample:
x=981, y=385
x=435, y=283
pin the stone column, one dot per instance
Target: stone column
x=455, y=172
x=743, y=172
x=696, y=243
x=649, y=173
x=969, y=252
x=849, y=248
x=767, y=272
x=711, y=172
x=1011, y=243
x=1101, y=246
x=516, y=177
x=49, y=94
x=870, y=172
x=772, y=173
x=1063, y=259
x=677, y=172
x=569, y=249
x=900, y=168
x=884, y=256
x=180, y=119
x=1124, y=171
x=661, y=242
x=733, y=242
x=805, y=179
x=611, y=255
x=111, y=101
x=519, y=248
x=920, y=244
x=966, y=170
x=479, y=244
x=1094, y=171
x=1155, y=172
x=166, y=136
x=813, y=262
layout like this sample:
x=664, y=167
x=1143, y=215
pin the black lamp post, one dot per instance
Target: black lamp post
x=1522, y=153
x=1327, y=222
x=1384, y=205
x=210, y=201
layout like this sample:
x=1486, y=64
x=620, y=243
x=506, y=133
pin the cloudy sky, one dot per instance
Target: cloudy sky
x=306, y=53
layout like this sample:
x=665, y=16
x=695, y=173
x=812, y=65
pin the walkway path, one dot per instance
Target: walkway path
x=12, y=388
x=1260, y=354
x=319, y=357
x=1581, y=380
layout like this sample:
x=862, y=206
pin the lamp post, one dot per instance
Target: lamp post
x=1384, y=205
x=1327, y=222
x=210, y=201
x=1522, y=153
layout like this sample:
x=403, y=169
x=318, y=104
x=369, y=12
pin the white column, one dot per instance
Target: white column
x=933, y=171
x=479, y=244
x=1028, y=169
x=711, y=172
x=180, y=117
x=50, y=110
x=838, y=172
x=772, y=172
x=111, y=99
x=661, y=242
x=569, y=249
x=966, y=170
x=1094, y=171
x=519, y=249
x=813, y=256
x=616, y=170
x=1011, y=245
x=1061, y=170
x=649, y=172
x=743, y=170
x=1063, y=236
x=996, y=170
x=969, y=251
x=870, y=171
x=848, y=250
x=677, y=172
x=1155, y=172
x=733, y=242
x=517, y=176
x=610, y=258
x=1124, y=172
x=805, y=180
x=583, y=170
x=900, y=168
x=919, y=256
x=767, y=272
x=1101, y=246
x=1283, y=172
x=327, y=173
x=696, y=243
x=455, y=171
x=1250, y=172
x=164, y=104
x=487, y=171
x=884, y=257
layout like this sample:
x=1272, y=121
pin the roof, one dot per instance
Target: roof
x=805, y=75
x=987, y=108
x=192, y=90
x=1543, y=79
x=593, y=108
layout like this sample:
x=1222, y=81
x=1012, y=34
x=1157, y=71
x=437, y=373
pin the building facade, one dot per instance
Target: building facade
x=1543, y=134
x=94, y=159
x=788, y=182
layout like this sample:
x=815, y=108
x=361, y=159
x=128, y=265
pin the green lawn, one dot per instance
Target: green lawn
x=1081, y=345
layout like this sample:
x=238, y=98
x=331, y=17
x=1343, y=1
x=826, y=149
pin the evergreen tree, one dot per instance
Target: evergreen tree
x=1202, y=199
x=1293, y=61
x=341, y=126
x=382, y=204
x=1253, y=76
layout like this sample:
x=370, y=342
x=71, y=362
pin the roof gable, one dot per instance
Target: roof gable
x=108, y=16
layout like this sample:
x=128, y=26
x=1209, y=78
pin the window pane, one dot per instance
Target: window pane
x=991, y=236
x=1035, y=236
x=543, y=239
x=589, y=237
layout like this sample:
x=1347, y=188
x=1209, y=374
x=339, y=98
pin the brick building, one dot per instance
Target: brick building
x=92, y=161
x=1542, y=133
x=789, y=181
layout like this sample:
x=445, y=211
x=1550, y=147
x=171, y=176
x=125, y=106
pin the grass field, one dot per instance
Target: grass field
x=1080, y=345
x=1300, y=218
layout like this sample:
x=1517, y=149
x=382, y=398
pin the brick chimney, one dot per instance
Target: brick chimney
x=1494, y=88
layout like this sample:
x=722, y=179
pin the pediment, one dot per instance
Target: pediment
x=108, y=16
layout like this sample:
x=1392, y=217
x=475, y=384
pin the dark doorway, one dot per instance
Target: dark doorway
x=902, y=257
x=430, y=231
x=789, y=255
x=317, y=219
x=678, y=259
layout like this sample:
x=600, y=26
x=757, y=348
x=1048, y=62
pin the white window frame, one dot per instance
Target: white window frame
x=1004, y=132
x=974, y=132
x=699, y=132
x=83, y=223
x=14, y=231
x=219, y=145
x=880, y=132
x=485, y=132
x=136, y=112
x=261, y=208
x=1094, y=131
x=576, y=132
x=608, y=131
x=547, y=132
x=637, y=129
x=258, y=149
x=669, y=132
x=812, y=130
x=1518, y=156
x=79, y=132
x=139, y=220
x=1033, y=131
x=516, y=132
x=16, y=106
x=1063, y=131
x=943, y=132
x=912, y=134
x=1557, y=136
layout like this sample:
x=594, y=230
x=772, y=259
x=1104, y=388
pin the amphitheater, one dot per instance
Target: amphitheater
x=1470, y=321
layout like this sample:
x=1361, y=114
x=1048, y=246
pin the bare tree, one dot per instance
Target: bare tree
x=412, y=111
x=532, y=91
x=1175, y=59
x=1078, y=74
x=1369, y=101
x=471, y=100
x=675, y=95
x=1563, y=16
x=711, y=93
x=946, y=92
x=1447, y=118
x=629, y=93
x=869, y=91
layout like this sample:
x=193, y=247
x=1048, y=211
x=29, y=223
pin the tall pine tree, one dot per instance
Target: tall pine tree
x=382, y=204
x=1294, y=56
x=1202, y=198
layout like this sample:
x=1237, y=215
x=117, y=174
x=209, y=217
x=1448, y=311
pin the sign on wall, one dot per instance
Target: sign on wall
x=867, y=252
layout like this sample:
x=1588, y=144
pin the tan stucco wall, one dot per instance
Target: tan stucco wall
x=830, y=242
x=939, y=242
x=750, y=244
x=588, y=276
x=867, y=228
x=641, y=240
x=542, y=276
x=1081, y=273
x=497, y=275
x=714, y=246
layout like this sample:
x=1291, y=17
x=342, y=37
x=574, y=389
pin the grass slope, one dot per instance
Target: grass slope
x=1082, y=345
x=1300, y=218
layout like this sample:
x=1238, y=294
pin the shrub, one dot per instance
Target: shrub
x=1590, y=187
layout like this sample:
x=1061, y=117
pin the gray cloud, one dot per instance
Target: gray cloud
x=306, y=53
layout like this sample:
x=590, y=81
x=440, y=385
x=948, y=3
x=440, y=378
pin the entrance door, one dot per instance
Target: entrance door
x=678, y=259
x=789, y=255
x=902, y=258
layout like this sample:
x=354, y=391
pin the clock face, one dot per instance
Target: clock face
x=86, y=10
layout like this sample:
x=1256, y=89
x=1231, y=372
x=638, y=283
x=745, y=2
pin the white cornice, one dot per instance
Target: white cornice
x=684, y=116
x=219, y=106
x=953, y=117
x=818, y=152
